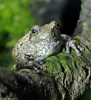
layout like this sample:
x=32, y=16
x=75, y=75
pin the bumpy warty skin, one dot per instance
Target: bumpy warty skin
x=38, y=44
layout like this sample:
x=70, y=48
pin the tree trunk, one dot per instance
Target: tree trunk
x=66, y=76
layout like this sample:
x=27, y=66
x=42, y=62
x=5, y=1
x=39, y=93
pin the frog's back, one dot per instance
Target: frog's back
x=20, y=46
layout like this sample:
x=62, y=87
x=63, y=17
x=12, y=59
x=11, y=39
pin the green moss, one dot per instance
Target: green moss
x=89, y=15
x=77, y=37
x=64, y=64
x=60, y=63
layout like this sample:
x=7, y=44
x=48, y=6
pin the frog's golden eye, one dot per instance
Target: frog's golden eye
x=34, y=31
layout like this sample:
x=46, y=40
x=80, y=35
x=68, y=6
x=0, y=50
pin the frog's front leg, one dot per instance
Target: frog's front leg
x=36, y=66
x=33, y=64
x=69, y=42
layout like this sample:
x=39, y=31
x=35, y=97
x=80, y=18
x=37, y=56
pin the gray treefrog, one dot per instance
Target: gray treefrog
x=40, y=43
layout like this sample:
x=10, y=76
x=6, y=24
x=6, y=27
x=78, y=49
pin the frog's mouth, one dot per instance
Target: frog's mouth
x=55, y=42
x=57, y=38
x=53, y=46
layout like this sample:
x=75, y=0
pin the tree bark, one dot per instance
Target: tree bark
x=66, y=77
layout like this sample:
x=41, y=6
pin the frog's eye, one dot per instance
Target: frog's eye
x=34, y=31
x=57, y=25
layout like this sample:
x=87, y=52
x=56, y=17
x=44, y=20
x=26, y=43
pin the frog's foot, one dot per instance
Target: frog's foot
x=16, y=67
x=72, y=43
x=36, y=66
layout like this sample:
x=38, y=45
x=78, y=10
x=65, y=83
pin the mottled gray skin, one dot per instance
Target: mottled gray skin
x=44, y=42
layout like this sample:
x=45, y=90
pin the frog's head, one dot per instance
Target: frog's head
x=48, y=31
x=46, y=39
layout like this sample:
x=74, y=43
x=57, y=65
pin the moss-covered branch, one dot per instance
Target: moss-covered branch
x=66, y=77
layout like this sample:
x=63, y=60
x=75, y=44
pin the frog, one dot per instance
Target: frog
x=41, y=42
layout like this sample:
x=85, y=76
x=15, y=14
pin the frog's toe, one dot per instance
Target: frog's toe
x=36, y=66
x=67, y=48
x=36, y=69
x=76, y=47
x=30, y=64
x=41, y=62
x=14, y=67
x=78, y=53
x=77, y=50
x=80, y=48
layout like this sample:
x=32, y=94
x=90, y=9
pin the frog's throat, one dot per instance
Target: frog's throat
x=49, y=49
